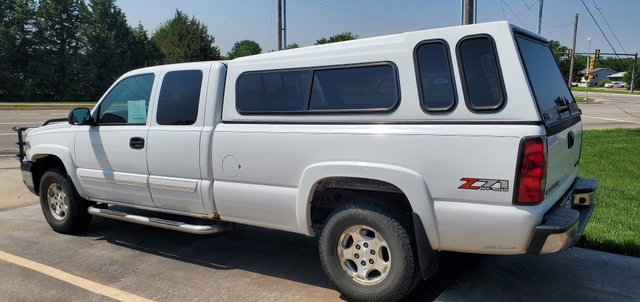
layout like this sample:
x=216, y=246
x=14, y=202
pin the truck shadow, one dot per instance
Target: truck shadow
x=272, y=253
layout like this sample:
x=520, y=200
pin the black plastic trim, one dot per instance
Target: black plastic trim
x=561, y=125
x=27, y=176
x=427, y=256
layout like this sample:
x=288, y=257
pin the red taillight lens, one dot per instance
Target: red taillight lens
x=532, y=177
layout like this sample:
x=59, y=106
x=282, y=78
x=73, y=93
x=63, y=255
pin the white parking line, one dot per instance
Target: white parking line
x=612, y=119
x=71, y=279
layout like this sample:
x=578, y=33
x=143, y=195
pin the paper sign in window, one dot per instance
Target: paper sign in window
x=137, y=111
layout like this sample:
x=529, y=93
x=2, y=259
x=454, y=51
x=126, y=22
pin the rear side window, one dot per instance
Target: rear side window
x=367, y=87
x=549, y=88
x=482, y=81
x=179, y=98
x=371, y=87
x=434, y=77
x=274, y=91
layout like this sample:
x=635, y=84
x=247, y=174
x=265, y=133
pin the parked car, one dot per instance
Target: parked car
x=615, y=84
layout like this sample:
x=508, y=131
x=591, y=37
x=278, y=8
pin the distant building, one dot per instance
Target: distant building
x=617, y=77
x=599, y=74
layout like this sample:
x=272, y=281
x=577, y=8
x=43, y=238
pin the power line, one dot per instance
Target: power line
x=214, y=11
x=602, y=32
x=605, y=21
x=368, y=16
x=225, y=22
x=517, y=16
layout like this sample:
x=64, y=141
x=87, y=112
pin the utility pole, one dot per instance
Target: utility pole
x=540, y=15
x=284, y=24
x=279, y=24
x=469, y=12
x=586, y=80
x=633, y=73
x=573, y=51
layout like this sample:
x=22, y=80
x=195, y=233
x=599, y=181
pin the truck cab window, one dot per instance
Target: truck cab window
x=127, y=103
x=179, y=98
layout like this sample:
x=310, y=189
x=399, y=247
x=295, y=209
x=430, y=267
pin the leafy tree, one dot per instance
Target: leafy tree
x=293, y=45
x=145, y=51
x=627, y=76
x=564, y=63
x=185, y=40
x=55, y=70
x=16, y=43
x=244, y=48
x=108, y=45
x=345, y=36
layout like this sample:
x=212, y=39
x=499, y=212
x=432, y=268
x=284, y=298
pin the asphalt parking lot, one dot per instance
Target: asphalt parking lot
x=128, y=262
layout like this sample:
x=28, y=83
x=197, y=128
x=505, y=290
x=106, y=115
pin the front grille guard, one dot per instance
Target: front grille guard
x=20, y=144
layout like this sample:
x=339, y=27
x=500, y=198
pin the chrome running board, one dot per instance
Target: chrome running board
x=163, y=223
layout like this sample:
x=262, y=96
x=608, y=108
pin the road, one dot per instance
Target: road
x=23, y=118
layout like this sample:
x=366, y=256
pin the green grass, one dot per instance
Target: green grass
x=46, y=105
x=613, y=158
x=606, y=90
x=580, y=99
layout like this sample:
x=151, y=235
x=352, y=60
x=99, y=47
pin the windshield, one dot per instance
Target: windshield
x=549, y=88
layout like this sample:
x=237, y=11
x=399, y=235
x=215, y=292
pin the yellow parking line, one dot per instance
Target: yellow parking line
x=71, y=279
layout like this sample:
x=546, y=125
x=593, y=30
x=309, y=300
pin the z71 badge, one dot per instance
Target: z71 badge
x=484, y=184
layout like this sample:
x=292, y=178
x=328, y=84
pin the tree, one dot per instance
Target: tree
x=244, y=48
x=627, y=76
x=345, y=36
x=145, y=51
x=16, y=45
x=55, y=69
x=564, y=62
x=107, y=43
x=293, y=45
x=185, y=40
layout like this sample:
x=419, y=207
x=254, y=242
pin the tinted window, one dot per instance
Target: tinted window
x=274, y=91
x=482, y=80
x=179, y=98
x=290, y=91
x=548, y=85
x=128, y=102
x=434, y=77
x=366, y=87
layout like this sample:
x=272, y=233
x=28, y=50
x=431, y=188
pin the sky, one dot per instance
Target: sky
x=230, y=21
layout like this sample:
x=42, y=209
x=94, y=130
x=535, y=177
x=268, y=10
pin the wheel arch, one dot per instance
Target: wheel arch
x=409, y=183
x=46, y=157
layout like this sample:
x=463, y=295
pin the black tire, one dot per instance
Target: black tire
x=62, y=206
x=358, y=228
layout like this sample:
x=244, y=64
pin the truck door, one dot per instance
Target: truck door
x=111, y=156
x=174, y=152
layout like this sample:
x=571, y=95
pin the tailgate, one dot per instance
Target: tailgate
x=564, y=142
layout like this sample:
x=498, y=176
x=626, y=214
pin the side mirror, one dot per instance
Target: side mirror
x=80, y=116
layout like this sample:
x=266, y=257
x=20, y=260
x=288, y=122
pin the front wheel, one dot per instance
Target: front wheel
x=63, y=208
x=366, y=251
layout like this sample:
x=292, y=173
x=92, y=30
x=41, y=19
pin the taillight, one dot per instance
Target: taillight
x=532, y=177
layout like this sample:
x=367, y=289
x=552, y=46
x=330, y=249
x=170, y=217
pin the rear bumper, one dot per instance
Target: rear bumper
x=564, y=223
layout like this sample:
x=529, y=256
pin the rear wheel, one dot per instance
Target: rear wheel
x=366, y=251
x=62, y=206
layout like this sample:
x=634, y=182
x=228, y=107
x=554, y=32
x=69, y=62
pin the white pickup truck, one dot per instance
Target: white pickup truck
x=393, y=148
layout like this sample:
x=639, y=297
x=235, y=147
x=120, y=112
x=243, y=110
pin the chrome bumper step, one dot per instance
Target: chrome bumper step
x=163, y=223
